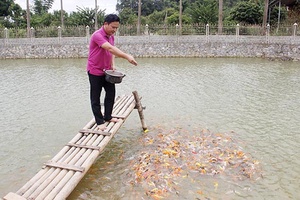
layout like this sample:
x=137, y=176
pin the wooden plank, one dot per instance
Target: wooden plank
x=83, y=146
x=95, y=132
x=118, y=116
x=71, y=156
x=13, y=196
x=65, y=166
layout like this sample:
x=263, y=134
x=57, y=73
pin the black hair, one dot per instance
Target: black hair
x=111, y=18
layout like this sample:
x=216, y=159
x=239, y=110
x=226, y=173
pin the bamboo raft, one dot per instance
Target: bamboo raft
x=59, y=176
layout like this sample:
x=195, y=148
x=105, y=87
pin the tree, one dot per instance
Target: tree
x=4, y=7
x=205, y=11
x=220, y=18
x=44, y=19
x=11, y=14
x=17, y=15
x=274, y=15
x=247, y=12
x=86, y=17
x=42, y=6
x=56, y=20
x=128, y=16
x=62, y=14
x=148, y=6
x=173, y=19
x=157, y=17
x=265, y=16
x=28, y=18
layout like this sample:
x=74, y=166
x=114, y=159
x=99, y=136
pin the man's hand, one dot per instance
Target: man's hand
x=132, y=60
x=117, y=52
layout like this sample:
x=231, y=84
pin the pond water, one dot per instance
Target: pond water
x=45, y=102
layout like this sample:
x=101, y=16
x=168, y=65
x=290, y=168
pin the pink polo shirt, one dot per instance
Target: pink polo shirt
x=99, y=59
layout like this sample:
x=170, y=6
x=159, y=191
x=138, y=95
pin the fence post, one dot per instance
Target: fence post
x=31, y=33
x=237, y=33
x=207, y=32
x=87, y=33
x=59, y=33
x=177, y=32
x=146, y=30
x=6, y=35
x=268, y=34
x=117, y=37
x=295, y=30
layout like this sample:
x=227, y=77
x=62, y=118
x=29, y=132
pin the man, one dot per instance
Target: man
x=101, y=57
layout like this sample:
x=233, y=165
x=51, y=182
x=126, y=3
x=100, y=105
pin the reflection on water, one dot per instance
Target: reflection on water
x=44, y=102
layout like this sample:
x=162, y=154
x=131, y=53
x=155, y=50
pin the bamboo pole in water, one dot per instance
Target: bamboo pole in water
x=140, y=110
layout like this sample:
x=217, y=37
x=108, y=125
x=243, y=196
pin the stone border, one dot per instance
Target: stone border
x=284, y=48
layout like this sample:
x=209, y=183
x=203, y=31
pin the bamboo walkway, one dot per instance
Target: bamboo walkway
x=59, y=176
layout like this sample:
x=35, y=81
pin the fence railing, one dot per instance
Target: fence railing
x=207, y=33
x=131, y=30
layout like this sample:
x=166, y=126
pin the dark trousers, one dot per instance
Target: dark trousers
x=96, y=85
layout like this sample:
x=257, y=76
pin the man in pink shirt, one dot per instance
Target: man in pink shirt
x=101, y=57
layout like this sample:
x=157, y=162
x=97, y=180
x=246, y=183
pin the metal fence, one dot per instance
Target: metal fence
x=206, y=33
x=131, y=30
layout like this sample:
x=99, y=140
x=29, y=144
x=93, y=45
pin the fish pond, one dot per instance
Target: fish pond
x=219, y=128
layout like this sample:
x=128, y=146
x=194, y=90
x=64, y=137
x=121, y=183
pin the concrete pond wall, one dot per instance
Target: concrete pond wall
x=281, y=47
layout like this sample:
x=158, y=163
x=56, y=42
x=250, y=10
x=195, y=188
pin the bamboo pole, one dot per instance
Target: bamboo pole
x=72, y=183
x=125, y=107
x=130, y=109
x=76, y=161
x=37, y=180
x=41, y=173
x=57, y=181
x=65, y=176
x=45, y=181
x=140, y=110
x=43, y=184
x=34, y=179
x=120, y=105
